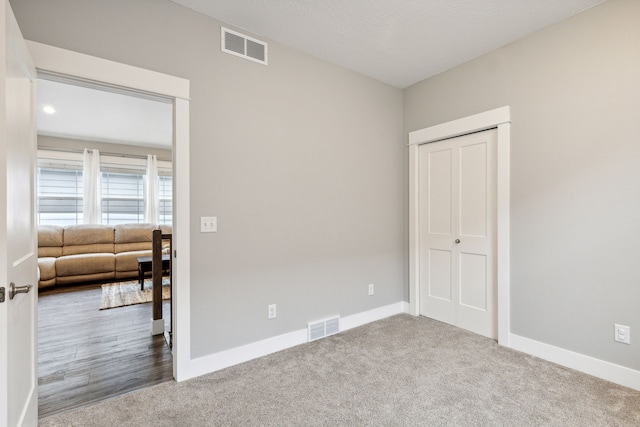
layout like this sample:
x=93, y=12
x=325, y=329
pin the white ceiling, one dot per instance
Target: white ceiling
x=399, y=42
x=98, y=115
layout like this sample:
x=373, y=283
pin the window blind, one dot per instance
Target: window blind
x=60, y=189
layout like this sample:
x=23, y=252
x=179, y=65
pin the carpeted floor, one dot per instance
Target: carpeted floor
x=401, y=371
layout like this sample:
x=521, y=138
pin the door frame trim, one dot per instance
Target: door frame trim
x=78, y=66
x=500, y=119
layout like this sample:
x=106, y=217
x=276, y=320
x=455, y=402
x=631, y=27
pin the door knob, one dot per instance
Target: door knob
x=15, y=290
x=457, y=240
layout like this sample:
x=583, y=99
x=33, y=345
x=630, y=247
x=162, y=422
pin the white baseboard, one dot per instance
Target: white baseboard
x=379, y=313
x=157, y=326
x=580, y=362
x=224, y=359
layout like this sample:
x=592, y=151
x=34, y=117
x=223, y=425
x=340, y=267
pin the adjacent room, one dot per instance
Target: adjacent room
x=94, y=305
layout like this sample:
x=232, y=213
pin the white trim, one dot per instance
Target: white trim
x=499, y=118
x=373, y=315
x=68, y=63
x=181, y=307
x=51, y=59
x=478, y=122
x=157, y=326
x=503, y=228
x=414, y=240
x=580, y=362
x=224, y=359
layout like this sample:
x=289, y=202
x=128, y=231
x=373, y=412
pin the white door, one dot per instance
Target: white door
x=457, y=232
x=18, y=258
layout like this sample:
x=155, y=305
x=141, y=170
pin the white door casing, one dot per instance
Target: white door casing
x=500, y=119
x=77, y=66
x=457, y=231
x=18, y=258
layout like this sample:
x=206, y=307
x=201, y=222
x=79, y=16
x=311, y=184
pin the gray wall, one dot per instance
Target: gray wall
x=301, y=161
x=574, y=90
x=305, y=166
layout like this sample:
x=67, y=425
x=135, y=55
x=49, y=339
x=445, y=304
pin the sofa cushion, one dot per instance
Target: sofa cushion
x=50, y=240
x=85, y=264
x=133, y=233
x=47, y=283
x=87, y=238
x=47, y=268
x=93, y=277
x=49, y=251
x=133, y=237
x=128, y=261
x=132, y=247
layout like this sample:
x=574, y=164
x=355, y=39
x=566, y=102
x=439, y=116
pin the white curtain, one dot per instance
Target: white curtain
x=92, y=202
x=151, y=190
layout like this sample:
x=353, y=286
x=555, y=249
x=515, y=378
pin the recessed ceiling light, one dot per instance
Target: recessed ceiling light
x=48, y=109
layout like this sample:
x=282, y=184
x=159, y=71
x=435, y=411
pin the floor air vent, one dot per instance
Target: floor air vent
x=323, y=328
x=243, y=46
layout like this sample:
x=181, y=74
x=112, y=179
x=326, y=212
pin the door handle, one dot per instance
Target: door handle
x=15, y=290
x=457, y=240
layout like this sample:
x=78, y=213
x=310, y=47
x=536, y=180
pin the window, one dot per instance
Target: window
x=122, y=197
x=60, y=189
x=166, y=199
x=59, y=196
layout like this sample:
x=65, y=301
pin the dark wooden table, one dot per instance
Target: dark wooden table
x=145, y=265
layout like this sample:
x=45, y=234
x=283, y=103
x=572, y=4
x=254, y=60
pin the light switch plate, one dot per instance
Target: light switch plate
x=208, y=224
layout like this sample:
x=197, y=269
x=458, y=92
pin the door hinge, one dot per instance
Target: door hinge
x=2, y=294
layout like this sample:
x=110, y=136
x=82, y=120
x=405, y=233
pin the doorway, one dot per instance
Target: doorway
x=60, y=62
x=80, y=341
x=500, y=120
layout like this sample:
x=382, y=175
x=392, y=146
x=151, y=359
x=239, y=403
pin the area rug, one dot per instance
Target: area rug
x=120, y=294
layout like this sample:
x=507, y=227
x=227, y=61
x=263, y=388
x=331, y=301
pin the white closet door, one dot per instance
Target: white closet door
x=457, y=223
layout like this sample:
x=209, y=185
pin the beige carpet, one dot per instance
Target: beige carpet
x=401, y=371
x=120, y=294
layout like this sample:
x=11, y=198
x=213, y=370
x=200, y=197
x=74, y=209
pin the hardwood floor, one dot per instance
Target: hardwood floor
x=86, y=355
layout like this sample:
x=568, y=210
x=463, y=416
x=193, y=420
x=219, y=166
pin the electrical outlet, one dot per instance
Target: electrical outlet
x=622, y=333
x=271, y=311
x=371, y=290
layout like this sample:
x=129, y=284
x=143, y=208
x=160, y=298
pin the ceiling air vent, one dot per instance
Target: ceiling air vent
x=244, y=46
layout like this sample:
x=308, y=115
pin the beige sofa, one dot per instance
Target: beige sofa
x=87, y=253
